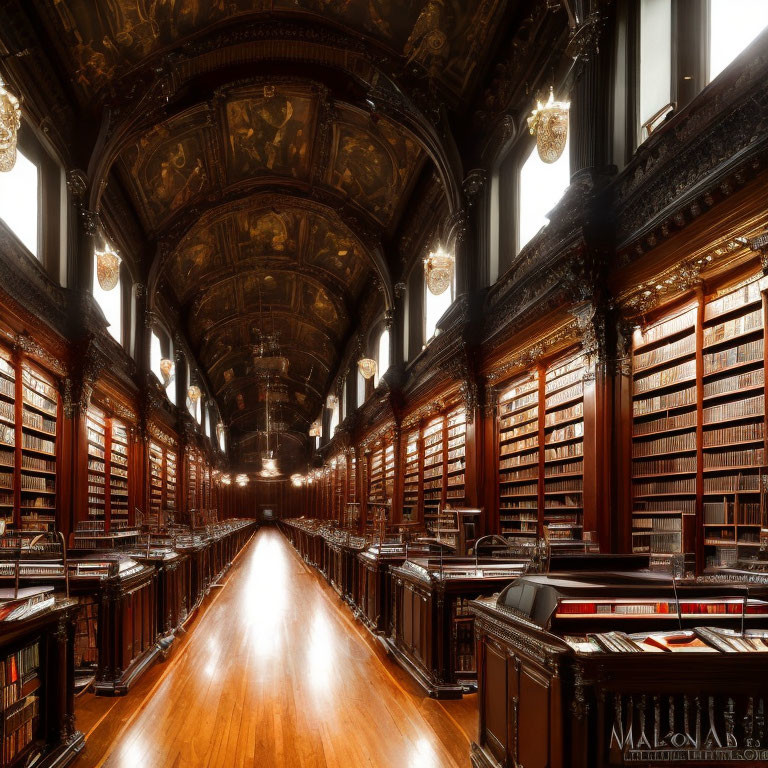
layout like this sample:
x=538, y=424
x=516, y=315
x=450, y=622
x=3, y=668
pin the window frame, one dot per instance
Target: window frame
x=53, y=206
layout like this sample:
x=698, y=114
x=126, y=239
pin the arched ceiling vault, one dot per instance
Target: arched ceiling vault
x=270, y=149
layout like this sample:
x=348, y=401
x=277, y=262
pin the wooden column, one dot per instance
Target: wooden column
x=487, y=432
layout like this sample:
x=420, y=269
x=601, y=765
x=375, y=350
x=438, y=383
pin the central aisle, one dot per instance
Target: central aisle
x=277, y=673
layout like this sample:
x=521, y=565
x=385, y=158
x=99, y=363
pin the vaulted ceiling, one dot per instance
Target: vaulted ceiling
x=267, y=152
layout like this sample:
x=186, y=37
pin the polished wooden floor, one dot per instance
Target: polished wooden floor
x=275, y=672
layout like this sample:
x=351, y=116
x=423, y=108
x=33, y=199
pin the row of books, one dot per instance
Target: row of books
x=655, y=487
x=664, y=424
x=669, y=327
x=38, y=421
x=674, y=443
x=567, y=484
x=750, y=352
x=732, y=483
x=37, y=464
x=568, y=432
x=658, y=543
x=37, y=483
x=565, y=395
x=678, y=399
x=661, y=524
x=564, y=468
x=530, y=473
x=34, y=443
x=665, y=377
x=675, y=465
x=751, y=406
x=519, y=417
x=738, y=326
x=748, y=457
x=737, y=434
x=733, y=300
x=561, y=377
x=567, y=451
x=726, y=512
x=677, y=349
x=735, y=383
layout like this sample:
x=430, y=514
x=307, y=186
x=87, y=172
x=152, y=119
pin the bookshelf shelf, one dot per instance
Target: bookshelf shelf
x=519, y=452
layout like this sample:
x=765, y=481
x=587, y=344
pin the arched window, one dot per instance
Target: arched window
x=111, y=301
x=434, y=308
x=382, y=357
x=207, y=422
x=541, y=187
x=20, y=202
x=223, y=440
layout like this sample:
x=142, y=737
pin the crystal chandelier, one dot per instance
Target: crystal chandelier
x=438, y=269
x=297, y=480
x=10, y=121
x=549, y=122
x=194, y=393
x=367, y=367
x=242, y=480
x=226, y=480
x=107, y=268
x=166, y=370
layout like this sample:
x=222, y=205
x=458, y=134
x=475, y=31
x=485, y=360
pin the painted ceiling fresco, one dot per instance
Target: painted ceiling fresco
x=267, y=135
x=269, y=267
x=105, y=39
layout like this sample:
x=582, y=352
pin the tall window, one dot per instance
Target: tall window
x=194, y=407
x=677, y=42
x=434, y=308
x=733, y=25
x=655, y=59
x=541, y=187
x=207, y=422
x=360, y=389
x=111, y=303
x=382, y=356
x=223, y=440
x=155, y=355
x=20, y=202
x=334, y=420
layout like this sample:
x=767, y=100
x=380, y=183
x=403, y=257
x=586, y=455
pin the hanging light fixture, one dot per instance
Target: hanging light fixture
x=549, y=123
x=331, y=402
x=166, y=370
x=367, y=366
x=10, y=121
x=194, y=393
x=226, y=480
x=107, y=268
x=297, y=480
x=316, y=430
x=242, y=480
x=438, y=269
x=269, y=466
